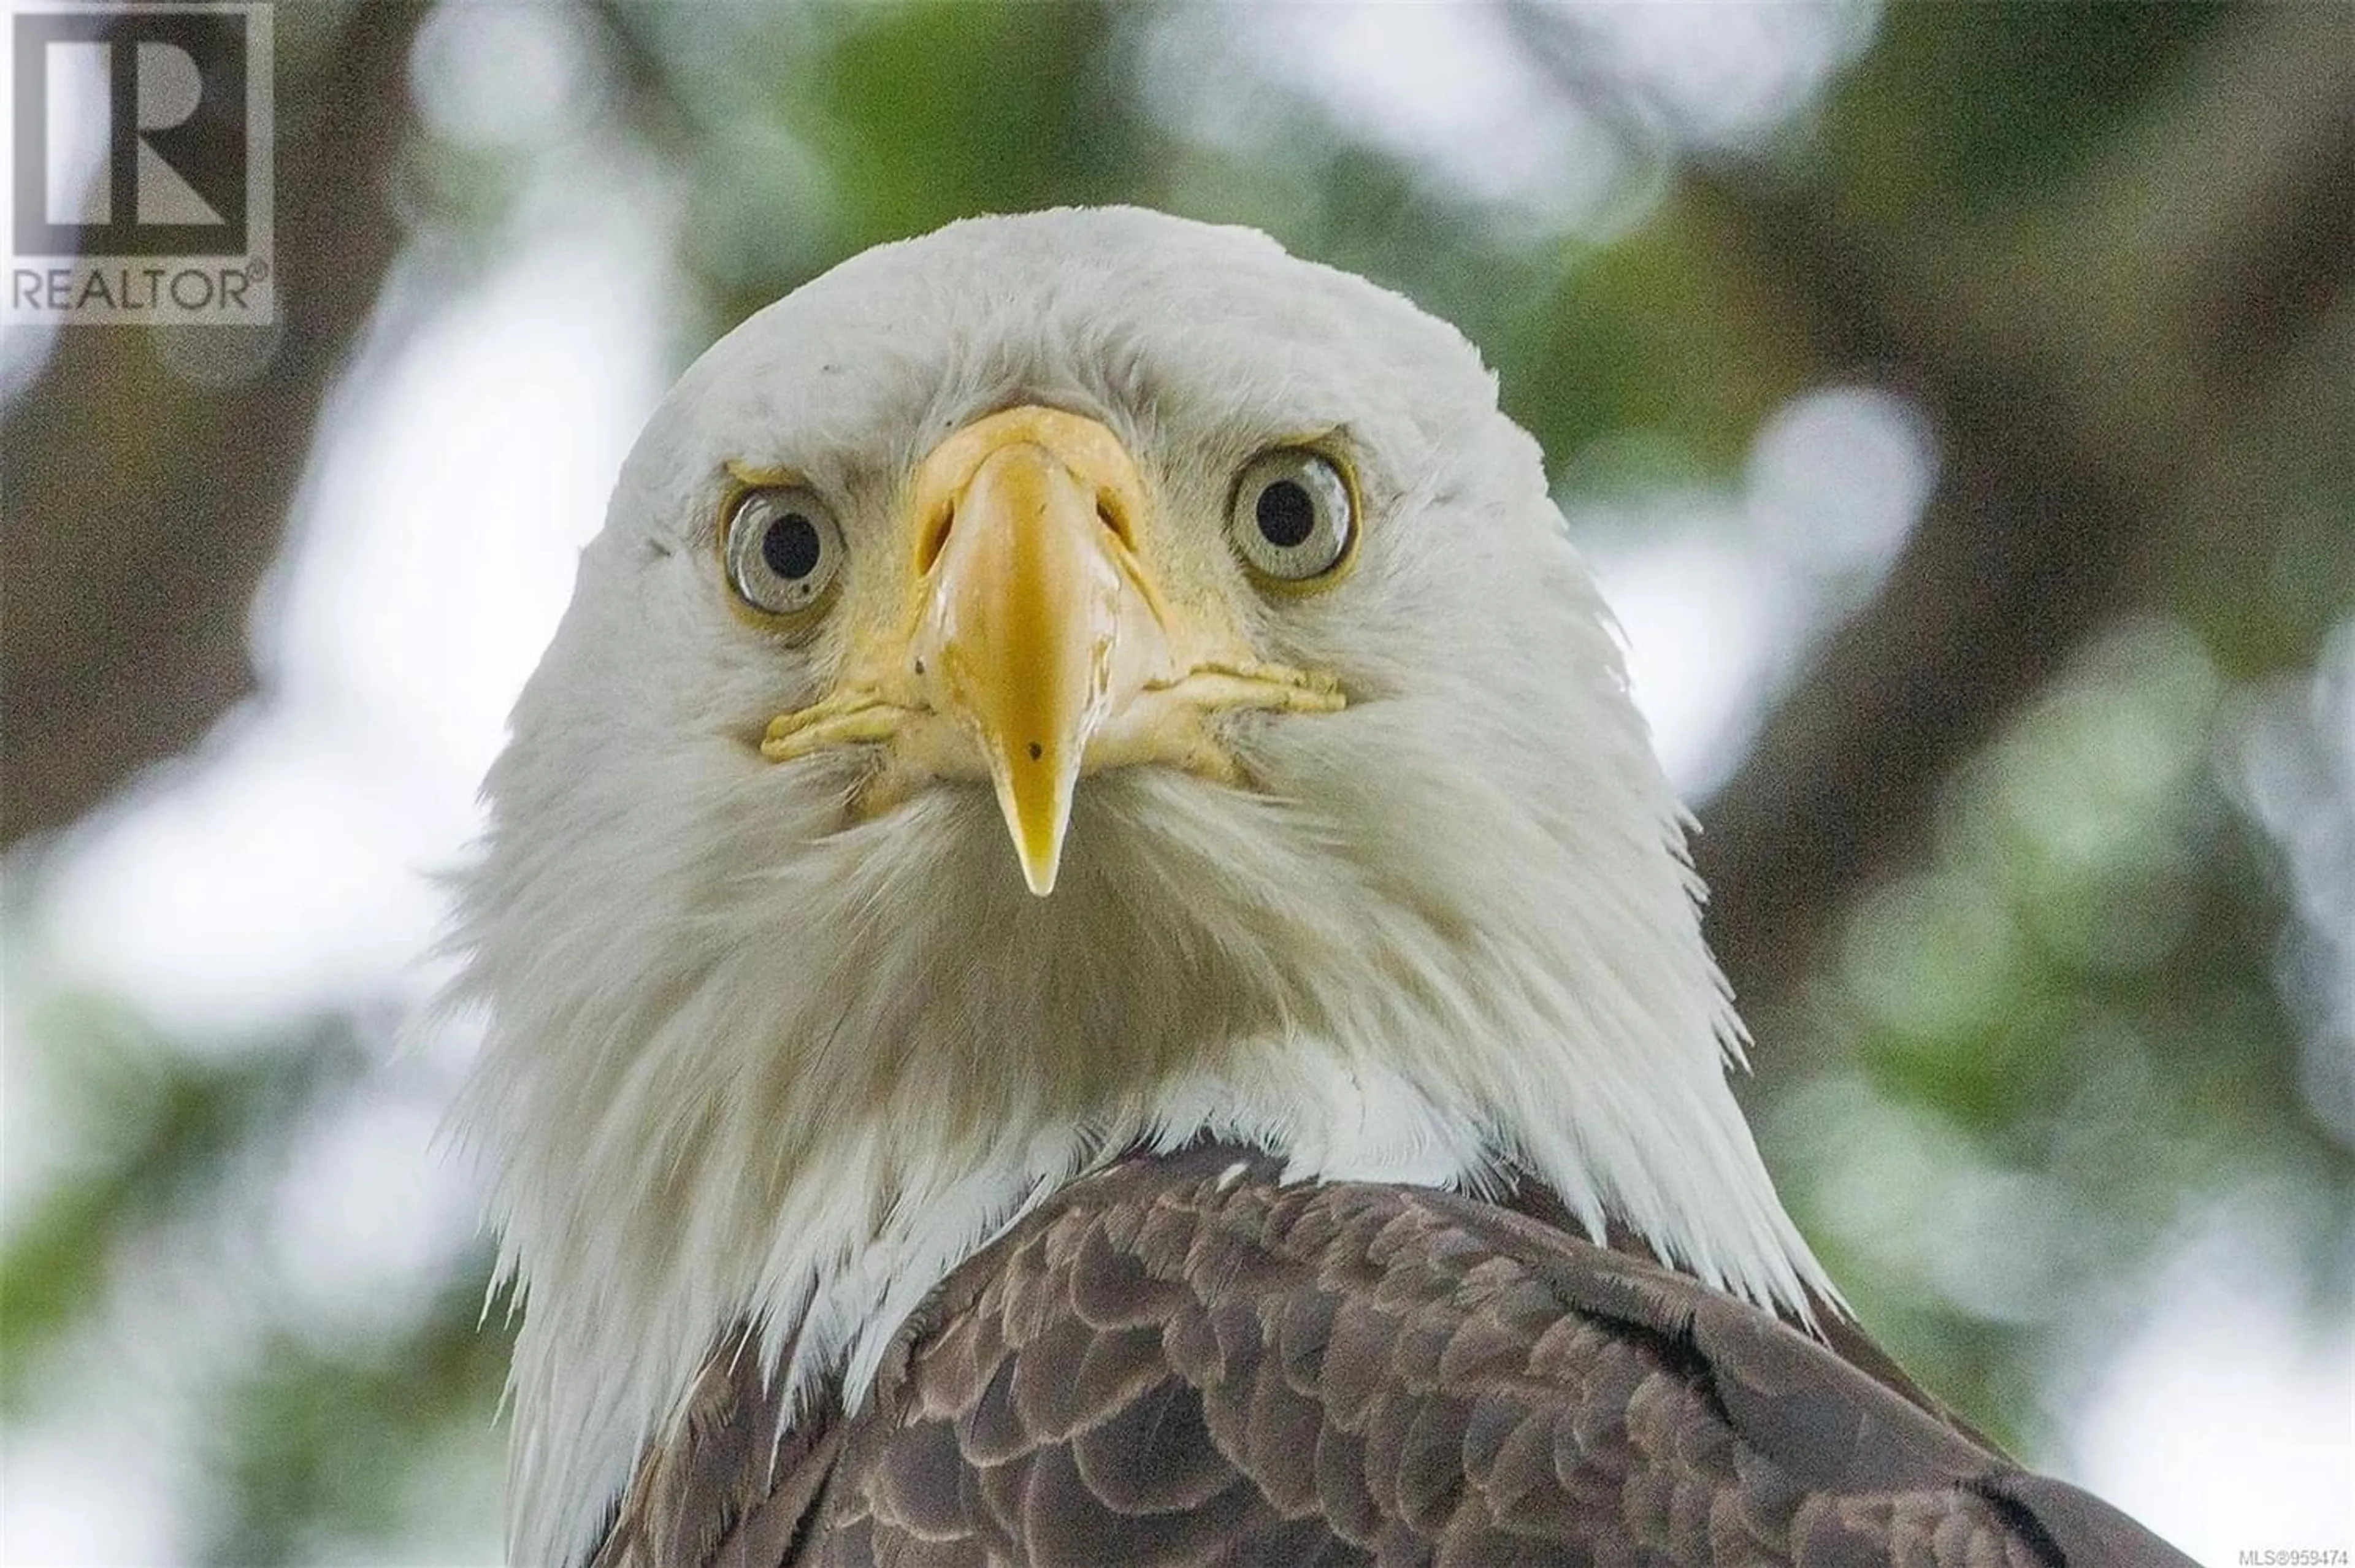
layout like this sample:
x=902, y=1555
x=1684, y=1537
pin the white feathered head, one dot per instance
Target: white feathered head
x=1064, y=682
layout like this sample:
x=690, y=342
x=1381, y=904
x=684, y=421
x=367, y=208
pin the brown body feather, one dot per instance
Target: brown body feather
x=1182, y=1361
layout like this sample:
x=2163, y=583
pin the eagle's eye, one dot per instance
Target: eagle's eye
x=1294, y=518
x=783, y=549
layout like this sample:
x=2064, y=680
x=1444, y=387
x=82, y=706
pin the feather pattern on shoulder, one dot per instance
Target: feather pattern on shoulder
x=1183, y=1360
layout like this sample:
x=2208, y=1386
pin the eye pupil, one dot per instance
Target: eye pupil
x=1286, y=514
x=1292, y=517
x=783, y=550
x=790, y=546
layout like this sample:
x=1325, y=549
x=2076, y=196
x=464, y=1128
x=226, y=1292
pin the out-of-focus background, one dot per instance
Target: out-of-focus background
x=1955, y=402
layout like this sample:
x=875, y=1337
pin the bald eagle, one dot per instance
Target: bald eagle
x=1308, y=1141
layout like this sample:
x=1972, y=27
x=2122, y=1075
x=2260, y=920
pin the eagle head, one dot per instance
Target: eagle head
x=1065, y=683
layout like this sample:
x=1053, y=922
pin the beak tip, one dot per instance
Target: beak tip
x=1041, y=851
x=1037, y=821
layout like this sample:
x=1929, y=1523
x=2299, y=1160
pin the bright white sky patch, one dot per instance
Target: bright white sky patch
x=1721, y=595
x=1456, y=89
x=1704, y=630
x=1720, y=75
x=2289, y=762
x=508, y=76
x=2227, y=1426
x=1443, y=85
x=370, y=1218
x=74, y=1496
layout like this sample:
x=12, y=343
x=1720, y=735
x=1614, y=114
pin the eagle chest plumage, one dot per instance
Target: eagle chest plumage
x=1183, y=1360
x=1082, y=801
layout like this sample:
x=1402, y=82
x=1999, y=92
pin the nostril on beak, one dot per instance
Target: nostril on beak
x=934, y=538
x=1115, y=517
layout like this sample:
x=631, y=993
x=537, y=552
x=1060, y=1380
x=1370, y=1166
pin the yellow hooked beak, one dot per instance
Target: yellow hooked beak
x=1035, y=646
x=1035, y=593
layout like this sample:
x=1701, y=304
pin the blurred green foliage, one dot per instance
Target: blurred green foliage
x=2034, y=1055
x=1989, y=106
x=155, y=1139
x=2055, y=1041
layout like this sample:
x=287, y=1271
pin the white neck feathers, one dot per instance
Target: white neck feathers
x=704, y=1115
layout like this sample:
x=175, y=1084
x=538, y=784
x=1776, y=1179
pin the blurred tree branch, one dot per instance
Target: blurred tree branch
x=148, y=478
x=2076, y=481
